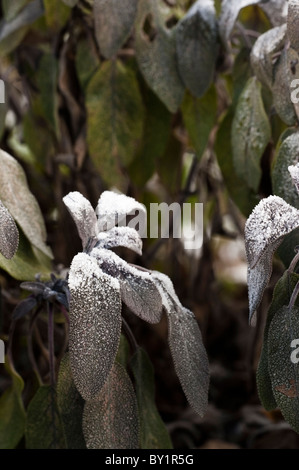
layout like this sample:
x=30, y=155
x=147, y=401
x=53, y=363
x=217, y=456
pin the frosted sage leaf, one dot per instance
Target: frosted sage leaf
x=113, y=23
x=197, y=46
x=264, y=52
x=110, y=420
x=95, y=324
x=18, y=199
x=270, y=221
x=12, y=7
x=294, y=172
x=115, y=116
x=120, y=236
x=186, y=346
x=230, y=10
x=293, y=23
x=281, y=89
x=276, y=10
x=153, y=432
x=251, y=133
x=283, y=365
x=286, y=156
x=138, y=288
x=9, y=235
x=70, y=404
x=43, y=425
x=113, y=208
x=83, y=215
x=28, y=15
x=12, y=412
x=156, y=55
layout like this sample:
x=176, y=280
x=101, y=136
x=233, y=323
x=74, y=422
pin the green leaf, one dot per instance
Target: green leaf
x=287, y=154
x=199, y=115
x=251, y=133
x=283, y=367
x=12, y=7
x=113, y=23
x=44, y=428
x=12, y=412
x=110, y=420
x=281, y=297
x=240, y=74
x=70, y=404
x=240, y=193
x=197, y=46
x=157, y=127
x=86, y=61
x=27, y=262
x=18, y=199
x=115, y=119
x=156, y=55
x=153, y=432
x=56, y=14
x=123, y=353
x=46, y=79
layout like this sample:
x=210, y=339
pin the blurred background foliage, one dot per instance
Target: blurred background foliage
x=125, y=97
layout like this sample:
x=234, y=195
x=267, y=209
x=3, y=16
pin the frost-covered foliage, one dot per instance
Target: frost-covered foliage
x=99, y=280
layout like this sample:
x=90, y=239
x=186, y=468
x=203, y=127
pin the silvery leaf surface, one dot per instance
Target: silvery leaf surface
x=294, y=172
x=186, y=346
x=9, y=234
x=138, y=288
x=270, y=221
x=83, y=215
x=95, y=324
x=113, y=208
x=121, y=236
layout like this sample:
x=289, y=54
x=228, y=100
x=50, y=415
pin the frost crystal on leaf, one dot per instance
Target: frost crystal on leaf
x=113, y=208
x=270, y=221
x=294, y=172
x=121, y=236
x=9, y=235
x=83, y=215
x=95, y=324
x=138, y=288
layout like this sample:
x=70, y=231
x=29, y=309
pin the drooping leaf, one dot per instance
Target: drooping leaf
x=95, y=324
x=138, y=289
x=70, y=404
x=230, y=10
x=283, y=368
x=153, y=432
x=9, y=235
x=83, y=215
x=276, y=10
x=24, y=306
x=281, y=297
x=186, y=346
x=286, y=155
x=120, y=236
x=12, y=412
x=113, y=208
x=18, y=199
x=110, y=420
x=86, y=61
x=27, y=262
x=250, y=134
x=238, y=190
x=113, y=23
x=270, y=221
x=43, y=425
x=56, y=14
x=115, y=119
x=199, y=116
x=197, y=46
x=156, y=55
x=46, y=79
x=281, y=90
x=263, y=53
x=241, y=73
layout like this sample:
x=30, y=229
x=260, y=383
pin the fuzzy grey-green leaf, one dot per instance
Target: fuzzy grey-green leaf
x=251, y=133
x=197, y=46
x=113, y=23
x=9, y=235
x=230, y=10
x=110, y=420
x=95, y=324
